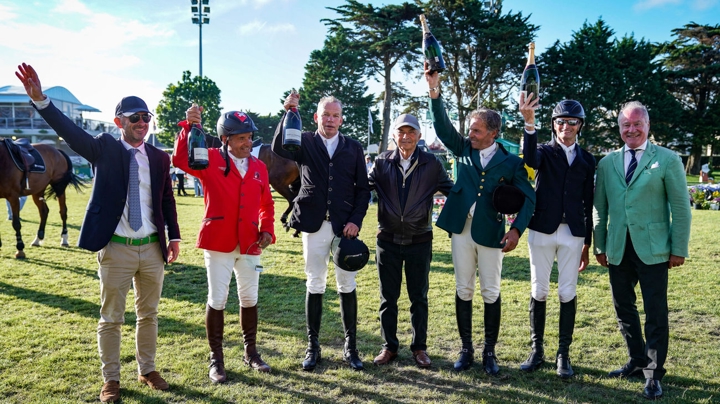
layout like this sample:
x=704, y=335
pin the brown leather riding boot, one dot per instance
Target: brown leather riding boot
x=214, y=325
x=248, y=321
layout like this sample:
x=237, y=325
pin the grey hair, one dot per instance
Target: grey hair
x=631, y=106
x=491, y=119
x=328, y=100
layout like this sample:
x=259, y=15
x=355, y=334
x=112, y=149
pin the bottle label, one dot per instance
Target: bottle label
x=200, y=154
x=292, y=134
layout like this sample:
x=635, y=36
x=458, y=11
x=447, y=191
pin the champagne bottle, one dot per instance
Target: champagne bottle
x=197, y=149
x=431, y=48
x=292, y=129
x=530, y=83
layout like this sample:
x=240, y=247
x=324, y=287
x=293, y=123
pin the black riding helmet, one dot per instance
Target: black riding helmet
x=569, y=109
x=233, y=123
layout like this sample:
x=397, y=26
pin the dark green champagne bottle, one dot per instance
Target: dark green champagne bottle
x=197, y=149
x=530, y=82
x=431, y=48
x=292, y=130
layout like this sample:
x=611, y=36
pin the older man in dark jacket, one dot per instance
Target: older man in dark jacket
x=405, y=180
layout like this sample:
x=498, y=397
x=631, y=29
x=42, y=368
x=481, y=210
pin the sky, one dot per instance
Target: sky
x=254, y=50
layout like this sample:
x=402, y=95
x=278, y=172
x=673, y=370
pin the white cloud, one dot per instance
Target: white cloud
x=7, y=13
x=649, y=4
x=704, y=4
x=72, y=7
x=258, y=27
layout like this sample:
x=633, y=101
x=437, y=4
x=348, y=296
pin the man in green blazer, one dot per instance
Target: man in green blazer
x=642, y=229
x=479, y=239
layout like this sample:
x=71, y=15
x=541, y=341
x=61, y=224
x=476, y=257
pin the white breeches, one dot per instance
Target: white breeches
x=543, y=250
x=469, y=259
x=220, y=267
x=316, y=252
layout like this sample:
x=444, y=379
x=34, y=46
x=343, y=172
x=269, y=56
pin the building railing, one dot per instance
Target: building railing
x=90, y=125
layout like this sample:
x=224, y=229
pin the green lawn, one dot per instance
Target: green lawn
x=50, y=301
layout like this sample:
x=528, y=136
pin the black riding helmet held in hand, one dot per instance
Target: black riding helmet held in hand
x=569, y=109
x=233, y=123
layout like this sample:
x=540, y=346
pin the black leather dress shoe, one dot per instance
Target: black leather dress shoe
x=652, y=390
x=627, y=370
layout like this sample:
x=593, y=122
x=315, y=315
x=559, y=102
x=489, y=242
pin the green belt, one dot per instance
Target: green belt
x=135, y=241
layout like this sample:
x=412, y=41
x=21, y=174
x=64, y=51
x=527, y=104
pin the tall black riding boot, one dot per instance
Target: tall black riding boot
x=567, y=327
x=214, y=327
x=537, y=334
x=348, y=312
x=313, y=316
x=492, y=330
x=463, y=315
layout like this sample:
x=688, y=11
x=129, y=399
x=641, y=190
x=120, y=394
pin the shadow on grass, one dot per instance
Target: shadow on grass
x=92, y=310
x=91, y=273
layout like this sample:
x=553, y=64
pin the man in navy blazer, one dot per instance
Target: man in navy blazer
x=562, y=224
x=125, y=223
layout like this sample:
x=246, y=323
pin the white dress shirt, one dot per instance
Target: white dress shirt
x=331, y=144
x=638, y=154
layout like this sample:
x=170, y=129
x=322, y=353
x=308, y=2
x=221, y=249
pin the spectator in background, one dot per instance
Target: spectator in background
x=180, y=181
x=9, y=209
x=198, y=187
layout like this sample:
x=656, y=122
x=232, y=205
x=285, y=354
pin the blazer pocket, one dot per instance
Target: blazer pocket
x=659, y=236
x=93, y=208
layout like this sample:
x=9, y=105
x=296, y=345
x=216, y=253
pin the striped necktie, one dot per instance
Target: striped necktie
x=631, y=167
x=134, y=209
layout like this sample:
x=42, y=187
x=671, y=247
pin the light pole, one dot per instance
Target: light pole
x=200, y=17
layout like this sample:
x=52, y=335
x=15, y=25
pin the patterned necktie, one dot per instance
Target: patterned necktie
x=134, y=209
x=631, y=167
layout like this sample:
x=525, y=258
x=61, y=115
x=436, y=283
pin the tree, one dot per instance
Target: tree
x=693, y=63
x=178, y=97
x=383, y=36
x=337, y=69
x=266, y=125
x=484, y=52
x=603, y=73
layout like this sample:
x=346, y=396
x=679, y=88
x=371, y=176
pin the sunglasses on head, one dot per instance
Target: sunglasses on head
x=571, y=122
x=135, y=118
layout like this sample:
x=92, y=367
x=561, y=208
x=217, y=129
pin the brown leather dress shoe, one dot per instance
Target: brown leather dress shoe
x=422, y=359
x=154, y=380
x=110, y=392
x=384, y=357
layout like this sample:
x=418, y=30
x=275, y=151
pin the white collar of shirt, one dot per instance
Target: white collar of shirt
x=240, y=164
x=331, y=144
x=487, y=154
x=405, y=163
x=140, y=148
x=569, y=151
x=638, y=154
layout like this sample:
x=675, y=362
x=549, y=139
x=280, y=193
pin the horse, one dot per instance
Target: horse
x=15, y=183
x=284, y=176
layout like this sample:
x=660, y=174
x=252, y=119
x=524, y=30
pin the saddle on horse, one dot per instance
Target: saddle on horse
x=26, y=158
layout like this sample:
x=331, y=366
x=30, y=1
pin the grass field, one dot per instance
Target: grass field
x=50, y=304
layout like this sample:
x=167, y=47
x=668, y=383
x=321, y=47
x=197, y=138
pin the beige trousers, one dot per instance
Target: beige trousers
x=121, y=266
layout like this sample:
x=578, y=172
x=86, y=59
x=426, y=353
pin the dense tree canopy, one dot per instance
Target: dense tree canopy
x=337, y=69
x=603, y=73
x=384, y=37
x=484, y=51
x=181, y=95
x=692, y=60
